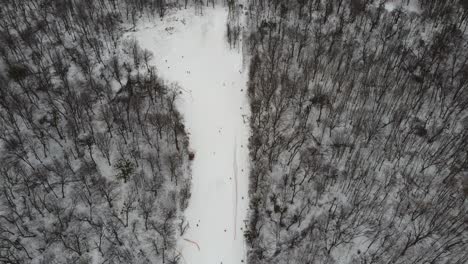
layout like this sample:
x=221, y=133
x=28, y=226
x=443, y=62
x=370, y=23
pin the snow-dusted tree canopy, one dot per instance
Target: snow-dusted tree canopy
x=93, y=152
x=359, y=131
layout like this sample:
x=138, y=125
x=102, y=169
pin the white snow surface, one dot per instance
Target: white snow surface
x=411, y=6
x=191, y=50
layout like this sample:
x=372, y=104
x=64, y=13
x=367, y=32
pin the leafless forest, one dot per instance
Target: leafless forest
x=92, y=149
x=358, y=147
x=359, y=131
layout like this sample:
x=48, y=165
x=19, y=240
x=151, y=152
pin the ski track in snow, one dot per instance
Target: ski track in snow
x=195, y=54
x=236, y=193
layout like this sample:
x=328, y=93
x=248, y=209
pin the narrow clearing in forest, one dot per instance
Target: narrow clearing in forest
x=191, y=50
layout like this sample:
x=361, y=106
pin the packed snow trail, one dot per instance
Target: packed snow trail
x=192, y=51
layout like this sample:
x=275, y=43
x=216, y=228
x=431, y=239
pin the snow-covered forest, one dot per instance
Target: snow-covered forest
x=93, y=150
x=234, y=131
x=359, y=131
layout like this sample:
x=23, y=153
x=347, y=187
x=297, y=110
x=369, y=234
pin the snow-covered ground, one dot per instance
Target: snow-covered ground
x=410, y=6
x=191, y=50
